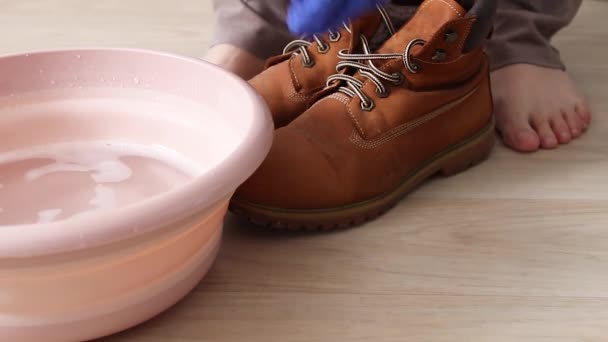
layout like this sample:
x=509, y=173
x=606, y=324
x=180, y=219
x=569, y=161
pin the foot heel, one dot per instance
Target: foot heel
x=469, y=154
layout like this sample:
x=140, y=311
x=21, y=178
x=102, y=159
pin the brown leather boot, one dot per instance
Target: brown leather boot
x=420, y=105
x=292, y=79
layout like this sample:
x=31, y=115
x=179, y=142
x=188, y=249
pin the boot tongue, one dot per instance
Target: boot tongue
x=375, y=25
x=428, y=19
x=367, y=24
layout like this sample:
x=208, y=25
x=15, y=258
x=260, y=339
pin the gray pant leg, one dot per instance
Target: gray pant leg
x=257, y=26
x=523, y=31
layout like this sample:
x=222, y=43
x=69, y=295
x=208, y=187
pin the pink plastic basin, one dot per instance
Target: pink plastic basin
x=94, y=246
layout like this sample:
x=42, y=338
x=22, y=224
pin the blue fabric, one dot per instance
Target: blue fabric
x=307, y=17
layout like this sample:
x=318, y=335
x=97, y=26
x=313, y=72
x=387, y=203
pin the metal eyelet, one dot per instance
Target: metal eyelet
x=310, y=63
x=440, y=56
x=450, y=36
x=369, y=106
x=335, y=36
x=415, y=68
x=382, y=94
x=323, y=48
x=400, y=78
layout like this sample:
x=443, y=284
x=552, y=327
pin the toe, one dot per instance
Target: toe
x=584, y=114
x=574, y=121
x=561, y=130
x=519, y=135
x=548, y=140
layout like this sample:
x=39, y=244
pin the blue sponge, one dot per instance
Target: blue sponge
x=307, y=17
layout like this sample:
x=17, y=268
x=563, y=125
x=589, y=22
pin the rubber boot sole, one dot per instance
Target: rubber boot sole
x=456, y=159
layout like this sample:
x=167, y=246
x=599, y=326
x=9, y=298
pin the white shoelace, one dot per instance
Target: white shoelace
x=364, y=64
x=300, y=46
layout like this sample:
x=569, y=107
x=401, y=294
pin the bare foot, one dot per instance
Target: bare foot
x=235, y=60
x=537, y=107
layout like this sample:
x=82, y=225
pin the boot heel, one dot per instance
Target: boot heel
x=469, y=154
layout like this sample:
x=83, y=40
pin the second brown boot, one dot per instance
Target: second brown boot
x=420, y=105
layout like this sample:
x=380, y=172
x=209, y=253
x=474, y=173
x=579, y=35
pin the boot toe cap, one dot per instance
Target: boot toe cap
x=296, y=175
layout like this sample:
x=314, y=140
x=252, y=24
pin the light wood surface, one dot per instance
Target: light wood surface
x=513, y=250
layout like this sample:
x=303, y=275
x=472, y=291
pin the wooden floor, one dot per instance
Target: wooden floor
x=514, y=250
